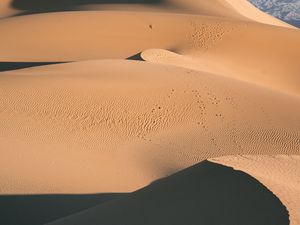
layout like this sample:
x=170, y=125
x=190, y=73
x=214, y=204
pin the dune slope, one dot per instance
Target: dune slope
x=279, y=173
x=130, y=122
x=6, y=9
x=197, y=195
x=239, y=49
x=105, y=106
x=246, y=9
x=230, y=8
x=41, y=209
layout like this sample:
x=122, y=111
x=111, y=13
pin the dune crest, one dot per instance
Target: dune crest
x=279, y=173
x=198, y=195
x=246, y=9
x=214, y=41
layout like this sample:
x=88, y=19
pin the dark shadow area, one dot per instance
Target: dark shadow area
x=136, y=57
x=41, y=209
x=6, y=66
x=38, y=6
x=207, y=193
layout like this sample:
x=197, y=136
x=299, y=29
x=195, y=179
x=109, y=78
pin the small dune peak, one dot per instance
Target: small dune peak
x=136, y=57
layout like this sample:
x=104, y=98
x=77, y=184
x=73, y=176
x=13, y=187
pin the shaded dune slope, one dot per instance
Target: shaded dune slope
x=230, y=8
x=206, y=193
x=279, y=173
x=7, y=66
x=214, y=7
x=41, y=209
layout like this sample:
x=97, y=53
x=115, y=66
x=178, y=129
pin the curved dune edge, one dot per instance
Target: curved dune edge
x=199, y=195
x=129, y=123
x=247, y=50
x=211, y=65
x=236, y=9
x=279, y=173
x=163, y=56
x=246, y=9
x=230, y=9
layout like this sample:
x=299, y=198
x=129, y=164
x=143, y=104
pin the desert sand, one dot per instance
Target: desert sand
x=6, y=10
x=151, y=112
x=280, y=173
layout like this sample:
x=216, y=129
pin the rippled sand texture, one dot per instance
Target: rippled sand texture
x=148, y=108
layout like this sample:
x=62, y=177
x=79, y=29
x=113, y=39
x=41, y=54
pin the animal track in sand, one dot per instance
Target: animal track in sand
x=163, y=114
x=204, y=36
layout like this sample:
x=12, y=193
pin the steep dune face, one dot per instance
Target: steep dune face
x=279, y=173
x=130, y=121
x=197, y=195
x=41, y=209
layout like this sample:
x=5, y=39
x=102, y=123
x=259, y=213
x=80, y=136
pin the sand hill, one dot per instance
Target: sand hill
x=149, y=110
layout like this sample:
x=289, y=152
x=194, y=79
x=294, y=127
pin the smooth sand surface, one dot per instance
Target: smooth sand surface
x=130, y=122
x=246, y=9
x=226, y=45
x=240, y=9
x=6, y=10
x=138, y=93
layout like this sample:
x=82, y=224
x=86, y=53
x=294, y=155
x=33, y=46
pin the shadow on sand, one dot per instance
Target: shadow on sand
x=206, y=193
x=7, y=66
x=136, y=57
x=41, y=209
x=38, y=6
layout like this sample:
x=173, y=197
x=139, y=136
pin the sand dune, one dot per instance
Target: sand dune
x=213, y=42
x=136, y=94
x=229, y=8
x=138, y=111
x=6, y=9
x=41, y=209
x=246, y=9
x=273, y=77
x=279, y=173
x=197, y=195
x=213, y=8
